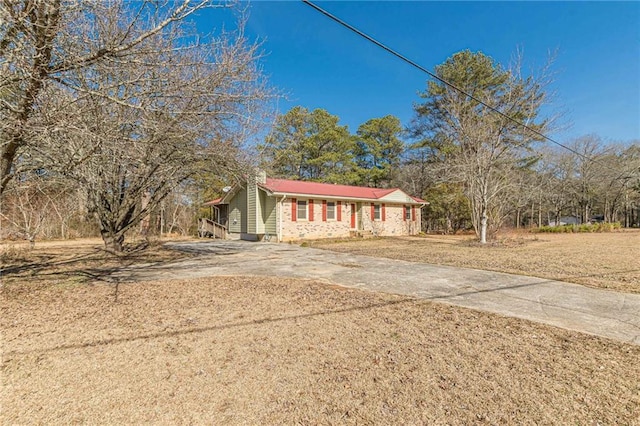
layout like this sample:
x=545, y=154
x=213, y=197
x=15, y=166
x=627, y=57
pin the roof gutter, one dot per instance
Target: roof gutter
x=280, y=218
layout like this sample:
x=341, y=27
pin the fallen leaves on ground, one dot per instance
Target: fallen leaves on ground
x=247, y=350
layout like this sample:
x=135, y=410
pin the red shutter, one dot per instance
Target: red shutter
x=324, y=210
x=413, y=213
x=404, y=213
x=339, y=208
x=294, y=213
x=373, y=212
x=311, y=210
x=384, y=213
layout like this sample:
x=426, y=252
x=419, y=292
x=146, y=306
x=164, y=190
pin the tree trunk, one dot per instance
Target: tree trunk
x=8, y=153
x=483, y=223
x=531, y=220
x=585, y=214
x=539, y=214
x=628, y=218
x=112, y=243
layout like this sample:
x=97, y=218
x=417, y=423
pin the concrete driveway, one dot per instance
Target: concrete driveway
x=570, y=306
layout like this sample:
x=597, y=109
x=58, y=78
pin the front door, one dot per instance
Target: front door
x=353, y=216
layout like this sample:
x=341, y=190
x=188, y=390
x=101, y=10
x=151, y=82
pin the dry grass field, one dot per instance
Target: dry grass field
x=603, y=260
x=64, y=263
x=279, y=351
x=245, y=350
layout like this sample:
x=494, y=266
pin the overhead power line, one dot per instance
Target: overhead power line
x=434, y=76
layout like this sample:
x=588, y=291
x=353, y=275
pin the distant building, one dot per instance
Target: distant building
x=566, y=220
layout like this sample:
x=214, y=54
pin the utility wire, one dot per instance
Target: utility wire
x=423, y=69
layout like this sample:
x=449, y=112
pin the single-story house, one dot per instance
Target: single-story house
x=285, y=210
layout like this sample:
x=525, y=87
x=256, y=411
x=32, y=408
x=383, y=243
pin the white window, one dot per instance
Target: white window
x=302, y=210
x=376, y=212
x=407, y=212
x=331, y=210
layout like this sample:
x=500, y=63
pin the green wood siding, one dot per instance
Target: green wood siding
x=396, y=197
x=252, y=211
x=252, y=206
x=268, y=213
x=237, y=207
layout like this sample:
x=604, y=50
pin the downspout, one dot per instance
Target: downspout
x=423, y=205
x=280, y=218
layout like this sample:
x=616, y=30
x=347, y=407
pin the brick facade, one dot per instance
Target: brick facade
x=391, y=220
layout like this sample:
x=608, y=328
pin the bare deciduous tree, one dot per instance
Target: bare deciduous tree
x=139, y=105
x=27, y=208
x=48, y=43
x=587, y=151
x=594, y=180
x=480, y=148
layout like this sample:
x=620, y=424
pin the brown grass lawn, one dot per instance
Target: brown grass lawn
x=602, y=260
x=280, y=351
x=246, y=350
x=73, y=261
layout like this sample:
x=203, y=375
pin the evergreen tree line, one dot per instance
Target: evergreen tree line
x=467, y=153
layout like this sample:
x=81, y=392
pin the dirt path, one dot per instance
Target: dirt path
x=599, y=312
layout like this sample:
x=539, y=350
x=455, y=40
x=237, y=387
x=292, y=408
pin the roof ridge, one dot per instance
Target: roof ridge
x=334, y=184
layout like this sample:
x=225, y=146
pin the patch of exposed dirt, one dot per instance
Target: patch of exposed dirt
x=281, y=351
x=601, y=260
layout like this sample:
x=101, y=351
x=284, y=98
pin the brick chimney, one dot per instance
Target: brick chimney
x=261, y=176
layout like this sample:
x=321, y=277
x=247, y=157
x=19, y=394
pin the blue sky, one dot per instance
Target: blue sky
x=319, y=64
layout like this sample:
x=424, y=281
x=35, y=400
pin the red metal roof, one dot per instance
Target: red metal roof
x=285, y=186
x=299, y=187
x=212, y=202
